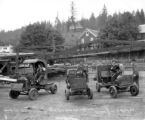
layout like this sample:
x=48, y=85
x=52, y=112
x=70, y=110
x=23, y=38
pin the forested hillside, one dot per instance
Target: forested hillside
x=120, y=26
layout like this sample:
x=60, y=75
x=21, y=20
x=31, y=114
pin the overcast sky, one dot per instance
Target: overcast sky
x=17, y=13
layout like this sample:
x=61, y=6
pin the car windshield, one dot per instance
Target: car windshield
x=72, y=72
x=25, y=69
x=105, y=73
x=24, y=65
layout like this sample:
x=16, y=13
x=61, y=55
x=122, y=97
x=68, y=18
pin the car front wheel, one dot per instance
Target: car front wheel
x=134, y=90
x=113, y=92
x=14, y=94
x=33, y=94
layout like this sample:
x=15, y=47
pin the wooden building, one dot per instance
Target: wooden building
x=88, y=36
x=141, y=35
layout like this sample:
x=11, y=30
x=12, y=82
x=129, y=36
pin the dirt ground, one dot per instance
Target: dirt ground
x=55, y=107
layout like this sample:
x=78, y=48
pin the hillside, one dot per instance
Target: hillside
x=71, y=38
x=11, y=37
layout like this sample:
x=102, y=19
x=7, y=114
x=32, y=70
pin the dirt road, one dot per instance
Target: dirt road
x=55, y=107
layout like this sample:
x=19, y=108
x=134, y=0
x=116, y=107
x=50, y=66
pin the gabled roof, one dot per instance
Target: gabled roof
x=93, y=32
x=142, y=28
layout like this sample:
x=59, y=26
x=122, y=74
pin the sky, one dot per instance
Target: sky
x=15, y=14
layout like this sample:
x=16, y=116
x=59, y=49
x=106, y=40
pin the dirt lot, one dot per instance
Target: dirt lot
x=55, y=107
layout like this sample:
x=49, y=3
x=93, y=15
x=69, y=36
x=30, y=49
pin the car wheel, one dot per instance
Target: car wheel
x=67, y=94
x=113, y=92
x=134, y=90
x=47, y=88
x=98, y=87
x=90, y=93
x=14, y=94
x=33, y=94
x=53, y=89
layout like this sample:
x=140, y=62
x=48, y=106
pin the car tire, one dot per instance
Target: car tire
x=33, y=94
x=134, y=90
x=90, y=93
x=14, y=94
x=113, y=92
x=47, y=88
x=98, y=87
x=67, y=94
x=53, y=89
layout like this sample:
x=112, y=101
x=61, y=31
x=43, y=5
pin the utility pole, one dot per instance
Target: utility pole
x=131, y=46
x=17, y=61
x=73, y=14
x=53, y=45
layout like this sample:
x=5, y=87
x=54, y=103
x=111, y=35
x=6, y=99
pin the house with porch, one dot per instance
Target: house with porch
x=88, y=36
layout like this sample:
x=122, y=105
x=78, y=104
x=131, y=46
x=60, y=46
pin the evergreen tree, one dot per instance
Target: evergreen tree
x=39, y=35
x=142, y=17
x=102, y=18
x=120, y=27
x=85, y=23
x=73, y=15
x=137, y=17
x=92, y=21
x=58, y=24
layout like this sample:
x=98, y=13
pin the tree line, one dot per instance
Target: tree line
x=119, y=26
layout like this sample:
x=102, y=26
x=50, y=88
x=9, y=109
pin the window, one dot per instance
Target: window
x=78, y=50
x=91, y=48
x=87, y=34
x=82, y=41
x=83, y=49
x=91, y=39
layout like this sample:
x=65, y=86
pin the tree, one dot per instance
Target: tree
x=92, y=22
x=39, y=35
x=51, y=35
x=33, y=35
x=85, y=23
x=58, y=24
x=68, y=24
x=120, y=27
x=73, y=15
x=1, y=43
x=129, y=27
x=142, y=16
x=102, y=18
x=110, y=29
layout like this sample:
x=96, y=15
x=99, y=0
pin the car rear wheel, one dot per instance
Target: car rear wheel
x=90, y=93
x=134, y=90
x=14, y=94
x=47, y=88
x=98, y=87
x=113, y=92
x=67, y=94
x=53, y=89
x=33, y=94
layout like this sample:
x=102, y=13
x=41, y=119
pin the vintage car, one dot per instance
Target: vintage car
x=30, y=80
x=116, y=83
x=77, y=84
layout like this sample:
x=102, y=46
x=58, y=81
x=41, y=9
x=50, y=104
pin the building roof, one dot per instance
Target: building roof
x=93, y=32
x=142, y=28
